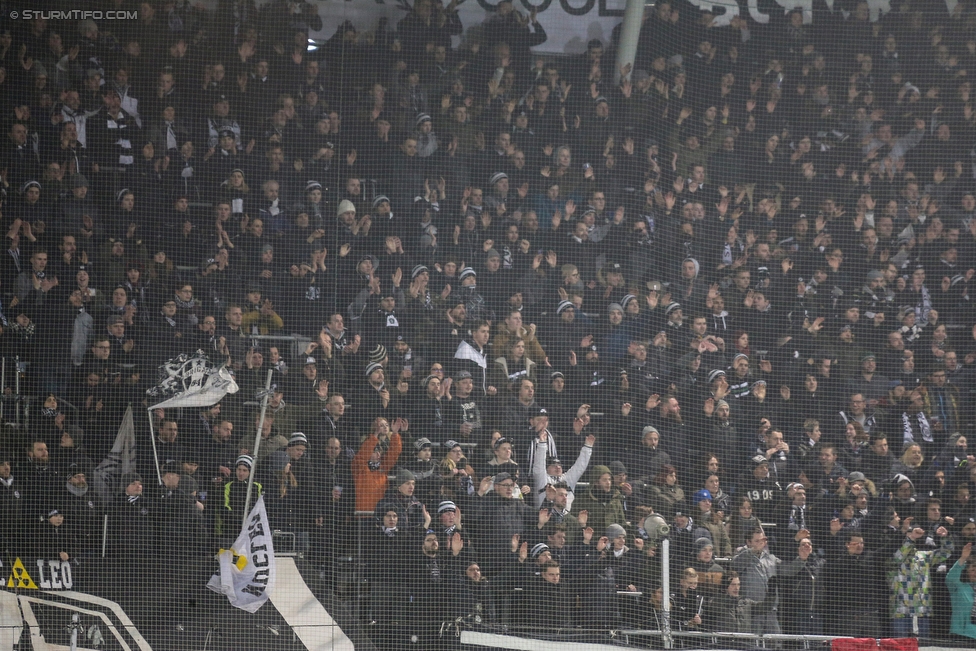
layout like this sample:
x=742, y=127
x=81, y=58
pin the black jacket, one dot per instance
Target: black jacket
x=133, y=529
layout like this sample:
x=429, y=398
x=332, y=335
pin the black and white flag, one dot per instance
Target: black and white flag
x=191, y=381
x=247, y=570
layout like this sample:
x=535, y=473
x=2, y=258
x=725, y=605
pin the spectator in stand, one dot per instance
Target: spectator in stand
x=410, y=509
x=667, y=495
x=756, y=568
x=960, y=580
x=602, y=502
x=370, y=468
x=53, y=540
x=803, y=595
x=909, y=581
x=233, y=498
x=549, y=472
x=291, y=489
x=742, y=523
x=500, y=515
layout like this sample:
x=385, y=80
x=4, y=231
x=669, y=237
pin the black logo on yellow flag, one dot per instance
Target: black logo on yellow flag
x=19, y=578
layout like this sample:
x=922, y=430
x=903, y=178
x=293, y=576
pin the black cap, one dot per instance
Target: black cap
x=171, y=466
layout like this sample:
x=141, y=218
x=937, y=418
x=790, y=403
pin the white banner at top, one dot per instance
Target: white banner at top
x=568, y=23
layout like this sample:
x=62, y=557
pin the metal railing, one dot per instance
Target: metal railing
x=597, y=640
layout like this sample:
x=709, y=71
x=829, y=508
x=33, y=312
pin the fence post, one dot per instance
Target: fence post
x=75, y=625
x=666, y=596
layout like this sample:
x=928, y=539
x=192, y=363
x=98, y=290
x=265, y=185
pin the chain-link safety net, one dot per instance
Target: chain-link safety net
x=416, y=324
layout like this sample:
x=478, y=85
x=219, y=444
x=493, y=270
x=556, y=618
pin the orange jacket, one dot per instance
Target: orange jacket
x=371, y=484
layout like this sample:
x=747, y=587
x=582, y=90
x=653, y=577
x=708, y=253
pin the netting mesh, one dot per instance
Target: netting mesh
x=433, y=322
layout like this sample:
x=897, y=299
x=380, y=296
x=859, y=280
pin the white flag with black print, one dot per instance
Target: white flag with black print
x=247, y=570
x=191, y=381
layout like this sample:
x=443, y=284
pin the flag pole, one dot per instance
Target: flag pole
x=257, y=443
x=152, y=438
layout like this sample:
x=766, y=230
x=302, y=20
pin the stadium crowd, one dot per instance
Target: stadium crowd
x=531, y=318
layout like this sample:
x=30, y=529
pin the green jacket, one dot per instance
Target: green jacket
x=601, y=512
x=721, y=542
x=962, y=602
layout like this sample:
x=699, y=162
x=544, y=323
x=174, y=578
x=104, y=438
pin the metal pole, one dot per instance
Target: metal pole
x=152, y=438
x=666, y=589
x=629, y=35
x=257, y=443
x=104, y=533
x=359, y=566
x=74, y=632
x=17, y=393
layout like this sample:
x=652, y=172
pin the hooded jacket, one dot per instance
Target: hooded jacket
x=604, y=509
x=690, y=292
